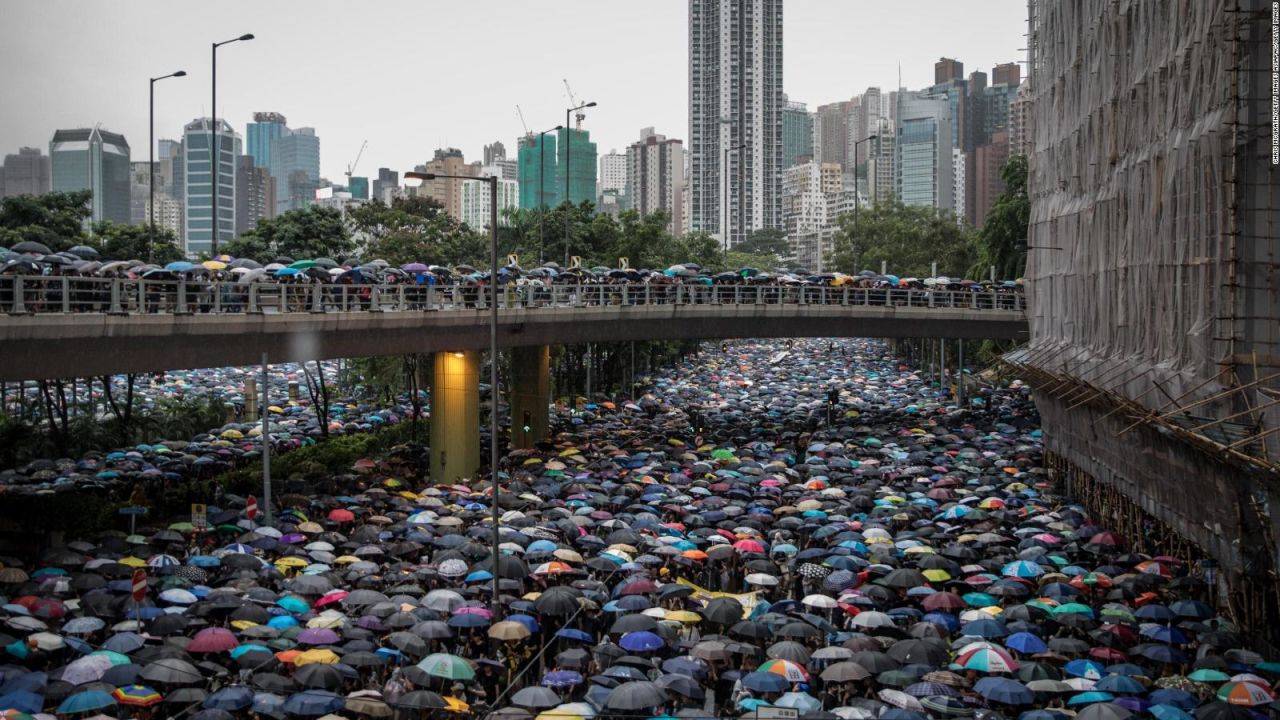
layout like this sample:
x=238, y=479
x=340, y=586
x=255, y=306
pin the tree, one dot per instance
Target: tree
x=907, y=238
x=416, y=230
x=1002, y=242
x=117, y=241
x=306, y=233
x=765, y=241
x=56, y=220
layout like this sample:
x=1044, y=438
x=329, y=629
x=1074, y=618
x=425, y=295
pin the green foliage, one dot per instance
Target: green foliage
x=765, y=241
x=1002, y=242
x=56, y=219
x=416, y=230
x=306, y=233
x=907, y=237
x=127, y=242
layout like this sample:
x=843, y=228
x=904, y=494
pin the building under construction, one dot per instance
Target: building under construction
x=1154, y=278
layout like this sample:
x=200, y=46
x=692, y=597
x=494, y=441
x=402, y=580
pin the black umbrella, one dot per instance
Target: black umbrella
x=421, y=700
x=635, y=695
x=171, y=671
x=723, y=611
x=536, y=697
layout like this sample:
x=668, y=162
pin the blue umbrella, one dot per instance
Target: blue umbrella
x=231, y=699
x=985, y=629
x=575, y=634
x=1025, y=643
x=641, y=641
x=1004, y=690
x=177, y=266
x=86, y=702
x=1168, y=712
x=1164, y=634
x=1120, y=685
x=528, y=621
x=466, y=620
x=562, y=678
x=1042, y=715
x=1084, y=669
x=803, y=702
x=1175, y=697
x=1156, y=613
x=1163, y=654
x=312, y=703
x=1090, y=697
x=764, y=682
x=24, y=700
x=267, y=703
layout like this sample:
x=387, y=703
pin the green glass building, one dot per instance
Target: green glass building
x=579, y=166
x=533, y=176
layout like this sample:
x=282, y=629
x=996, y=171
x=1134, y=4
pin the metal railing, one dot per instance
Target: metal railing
x=26, y=295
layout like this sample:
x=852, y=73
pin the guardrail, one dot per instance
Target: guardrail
x=27, y=295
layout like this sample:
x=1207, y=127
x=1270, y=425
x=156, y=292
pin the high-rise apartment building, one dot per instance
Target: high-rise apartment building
x=988, y=160
x=476, y=211
x=735, y=115
x=946, y=70
x=578, y=170
x=613, y=173
x=831, y=132
x=537, y=171
x=923, y=160
x=139, y=191
x=386, y=185
x=1019, y=119
x=447, y=190
x=295, y=164
x=797, y=134
x=880, y=164
x=655, y=177
x=495, y=152
x=197, y=173
x=29, y=172
x=870, y=110
x=809, y=193
x=168, y=214
x=96, y=160
x=1009, y=73
x=255, y=194
x=959, y=177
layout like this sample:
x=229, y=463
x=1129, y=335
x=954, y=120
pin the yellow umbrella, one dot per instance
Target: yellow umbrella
x=558, y=714
x=345, y=560
x=321, y=656
x=570, y=451
x=182, y=526
x=133, y=562
x=276, y=409
x=456, y=705
x=684, y=616
x=291, y=562
x=214, y=264
x=232, y=434
x=538, y=461
x=242, y=624
x=919, y=550
x=937, y=575
x=332, y=622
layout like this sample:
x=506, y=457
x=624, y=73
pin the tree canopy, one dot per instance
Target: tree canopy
x=56, y=220
x=310, y=232
x=1002, y=242
x=908, y=238
x=117, y=241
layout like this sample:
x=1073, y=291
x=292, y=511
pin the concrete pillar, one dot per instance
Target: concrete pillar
x=455, y=416
x=293, y=390
x=530, y=393
x=250, y=400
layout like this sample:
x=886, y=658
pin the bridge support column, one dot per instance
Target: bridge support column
x=455, y=416
x=530, y=394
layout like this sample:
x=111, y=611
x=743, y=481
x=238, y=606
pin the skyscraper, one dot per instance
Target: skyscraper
x=880, y=164
x=359, y=187
x=580, y=165
x=261, y=133
x=445, y=190
x=295, y=164
x=198, y=185
x=735, y=112
x=869, y=113
x=613, y=173
x=923, y=162
x=255, y=194
x=797, y=134
x=475, y=198
x=29, y=172
x=97, y=160
x=831, y=133
x=139, y=189
x=495, y=152
x=386, y=184
x=947, y=69
x=655, y=177
x=536, y=159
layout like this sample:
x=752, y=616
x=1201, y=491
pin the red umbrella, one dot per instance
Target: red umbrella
x=942, y=601
x=1108, y=654
x=212, y=640
x=749, y=546
x=341, y=515
x=1104, y=538
x=46, y=608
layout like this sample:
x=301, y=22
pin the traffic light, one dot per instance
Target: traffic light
x=528, y=422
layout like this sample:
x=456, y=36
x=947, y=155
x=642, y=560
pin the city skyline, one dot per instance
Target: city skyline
x=348, y=101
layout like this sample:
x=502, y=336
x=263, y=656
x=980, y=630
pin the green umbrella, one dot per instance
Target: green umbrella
x=303, y=264
x=450, y=667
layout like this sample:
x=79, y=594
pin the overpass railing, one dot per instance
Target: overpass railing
x=26, y=295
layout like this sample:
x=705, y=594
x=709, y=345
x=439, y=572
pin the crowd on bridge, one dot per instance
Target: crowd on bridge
x=814, y=531
x=75, y=280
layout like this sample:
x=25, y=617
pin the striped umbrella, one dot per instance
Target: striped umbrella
x=987, y=659
x=1245, y=693
x=793, y=672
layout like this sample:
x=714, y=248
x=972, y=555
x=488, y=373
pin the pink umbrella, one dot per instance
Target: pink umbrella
x=212, y=640
x=471, y=610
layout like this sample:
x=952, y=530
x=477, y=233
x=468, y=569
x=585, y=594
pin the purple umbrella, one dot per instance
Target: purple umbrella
x=317, y=636
x=292, y=539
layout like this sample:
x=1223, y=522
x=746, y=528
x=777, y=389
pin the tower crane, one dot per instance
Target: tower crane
x=351, y=166
x=580, y=115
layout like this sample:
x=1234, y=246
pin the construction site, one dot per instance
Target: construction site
x=1153, y=270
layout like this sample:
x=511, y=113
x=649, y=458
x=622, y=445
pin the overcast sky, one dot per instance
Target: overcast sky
x=413, y=75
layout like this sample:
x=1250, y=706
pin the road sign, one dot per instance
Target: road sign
x=139, y=585
x=251, y=507
x=199, y=516
x=768, y=712
x=133, y=510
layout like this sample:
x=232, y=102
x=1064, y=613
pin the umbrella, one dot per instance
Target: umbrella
x=635, y=695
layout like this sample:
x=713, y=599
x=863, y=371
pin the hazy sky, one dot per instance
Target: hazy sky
x=413, y=75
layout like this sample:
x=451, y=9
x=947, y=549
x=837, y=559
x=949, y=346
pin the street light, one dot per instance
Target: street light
x=724, y=171
x=215, y=159
x=856, y=195
x=492, y=180
x=542, y=187
x=568, y=165
x=151, y=148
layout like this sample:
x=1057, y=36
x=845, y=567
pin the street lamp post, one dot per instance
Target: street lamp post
x=542, y=187
x=856, y=195
x=724, y=171
x=568, y=165
x=151, y=149
x=492, y=180
x=215, y=152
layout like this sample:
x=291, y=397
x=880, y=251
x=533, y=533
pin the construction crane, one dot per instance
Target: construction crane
x=525, y=125
x=351, y=166
x=580, y=115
